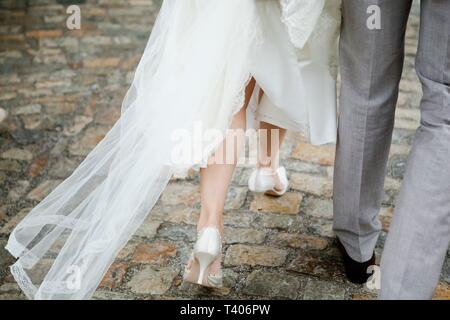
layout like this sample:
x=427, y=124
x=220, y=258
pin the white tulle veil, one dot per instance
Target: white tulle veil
x=193, y=70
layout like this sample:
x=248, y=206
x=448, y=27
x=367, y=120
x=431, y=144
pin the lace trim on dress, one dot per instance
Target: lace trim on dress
x=325, y=36
x=314, y=23
x=300, y=17
x=23, y=280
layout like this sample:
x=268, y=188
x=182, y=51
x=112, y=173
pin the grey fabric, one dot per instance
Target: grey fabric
x=420, y=231
x=371, y=65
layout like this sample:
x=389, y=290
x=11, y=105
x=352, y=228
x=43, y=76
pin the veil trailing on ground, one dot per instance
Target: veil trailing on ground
x=194, y=70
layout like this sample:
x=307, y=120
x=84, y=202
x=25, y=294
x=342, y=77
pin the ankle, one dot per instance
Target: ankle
x=269, y=165
x=210, y=223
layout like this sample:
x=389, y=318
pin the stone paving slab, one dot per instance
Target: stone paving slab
x=63, y=90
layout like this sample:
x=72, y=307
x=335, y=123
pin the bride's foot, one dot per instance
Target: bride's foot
x=204, y=266
x=269, y=181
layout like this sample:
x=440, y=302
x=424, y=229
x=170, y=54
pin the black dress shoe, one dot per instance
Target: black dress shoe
x=356, y=272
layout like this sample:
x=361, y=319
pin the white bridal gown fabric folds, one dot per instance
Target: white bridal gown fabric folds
x=198, y=60
x=296, y=66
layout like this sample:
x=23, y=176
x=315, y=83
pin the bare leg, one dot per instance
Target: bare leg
x=214, y=182
x=215, y=179
x=269, y=148
x=271, y=138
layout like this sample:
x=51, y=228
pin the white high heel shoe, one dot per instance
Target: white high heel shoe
x=262, y=180
x=206, y=250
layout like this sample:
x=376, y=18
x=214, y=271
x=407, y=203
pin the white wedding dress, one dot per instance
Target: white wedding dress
x=198, y=60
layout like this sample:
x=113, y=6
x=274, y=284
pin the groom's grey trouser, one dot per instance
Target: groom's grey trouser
x=371, y=66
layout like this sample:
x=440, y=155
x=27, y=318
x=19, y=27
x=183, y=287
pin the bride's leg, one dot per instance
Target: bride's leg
x=215, y=179
x=214, y=183
x=271, y=138
x=270, y=142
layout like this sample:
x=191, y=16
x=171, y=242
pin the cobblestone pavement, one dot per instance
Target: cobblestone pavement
x=63, y=90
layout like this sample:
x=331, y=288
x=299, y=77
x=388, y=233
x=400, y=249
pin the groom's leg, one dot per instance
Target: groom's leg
x=420, y=231
x=371, y=65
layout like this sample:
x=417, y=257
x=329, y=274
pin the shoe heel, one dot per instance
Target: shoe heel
x=207, y=249
x=204, y=260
